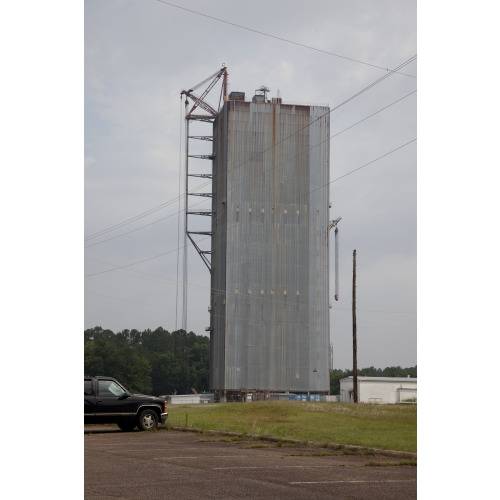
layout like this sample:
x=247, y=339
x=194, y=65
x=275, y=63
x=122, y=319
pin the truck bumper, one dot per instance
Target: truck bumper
x=164, y=417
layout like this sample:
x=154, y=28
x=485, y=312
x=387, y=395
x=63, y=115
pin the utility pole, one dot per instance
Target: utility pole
x=354, y=341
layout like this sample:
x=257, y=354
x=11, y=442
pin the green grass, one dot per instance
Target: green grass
x=388, y=427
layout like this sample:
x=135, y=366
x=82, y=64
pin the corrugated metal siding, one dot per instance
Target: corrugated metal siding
x=269, y=248
x=218, y=261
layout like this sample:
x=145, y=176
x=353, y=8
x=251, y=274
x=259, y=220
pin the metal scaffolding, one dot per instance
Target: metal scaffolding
x=201, y=112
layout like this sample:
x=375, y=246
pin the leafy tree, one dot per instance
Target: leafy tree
x=108, y=354
x=335, y=376
x=93, y=362
x=149, y=361
x=90, y=333
x=165, y=374
x=162, y=362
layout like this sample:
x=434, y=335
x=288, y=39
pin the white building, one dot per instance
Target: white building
x=189, y=399
x=379, y=390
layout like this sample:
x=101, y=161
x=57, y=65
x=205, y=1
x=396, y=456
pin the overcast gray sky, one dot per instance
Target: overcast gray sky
x=139, y=55
x=134, y=70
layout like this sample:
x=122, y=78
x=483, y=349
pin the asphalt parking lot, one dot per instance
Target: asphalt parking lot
x=182, y=465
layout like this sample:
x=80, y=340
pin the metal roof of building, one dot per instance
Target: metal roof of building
x=383, y=379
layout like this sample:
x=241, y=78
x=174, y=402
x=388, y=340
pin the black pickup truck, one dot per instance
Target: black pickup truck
x=107, y=401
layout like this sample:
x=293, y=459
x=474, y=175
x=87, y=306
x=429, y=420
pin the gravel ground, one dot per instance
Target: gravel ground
x=182, y=465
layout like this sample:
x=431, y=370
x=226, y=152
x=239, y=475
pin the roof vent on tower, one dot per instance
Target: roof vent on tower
x=277, y=99
x=261, y=94
x=237, y=96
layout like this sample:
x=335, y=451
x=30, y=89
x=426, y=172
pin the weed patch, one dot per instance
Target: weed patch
x=358, y=451
x=373, y=463
x=325, y=425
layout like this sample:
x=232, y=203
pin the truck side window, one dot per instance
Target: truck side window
x=88, y=387
x=109, y=388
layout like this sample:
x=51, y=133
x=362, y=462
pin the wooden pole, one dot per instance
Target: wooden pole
x=354, y=340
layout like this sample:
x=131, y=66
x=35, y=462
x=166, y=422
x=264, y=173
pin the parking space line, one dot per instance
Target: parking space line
x=357, y=481
x=208, y=456
x=277, y=467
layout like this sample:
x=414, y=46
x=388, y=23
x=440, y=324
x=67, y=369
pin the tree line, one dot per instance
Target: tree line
x=160, y=362
x=150, y=362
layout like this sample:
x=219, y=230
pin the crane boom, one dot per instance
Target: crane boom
x=205, y=81
x=199, y=101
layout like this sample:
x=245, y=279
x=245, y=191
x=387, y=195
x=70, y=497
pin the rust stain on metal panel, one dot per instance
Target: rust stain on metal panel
x=270, y=336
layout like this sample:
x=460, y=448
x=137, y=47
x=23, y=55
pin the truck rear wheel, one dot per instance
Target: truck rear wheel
x=148, y=420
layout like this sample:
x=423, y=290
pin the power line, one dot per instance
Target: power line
x=284, y=39
x=345, y=175
x=132, y=219
x=369, y=163
x=332, y=110
x=179, y=214
x=376, y=82
x=131, y=231
x=373, y=114
x=141, y=216
x=338, y=133
x=202, y=239
x=334, y=180
x=284, y=161
x=132, y=264
x=163, y=205
x=142, y=227
x=144, y=214
x=257, y=298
